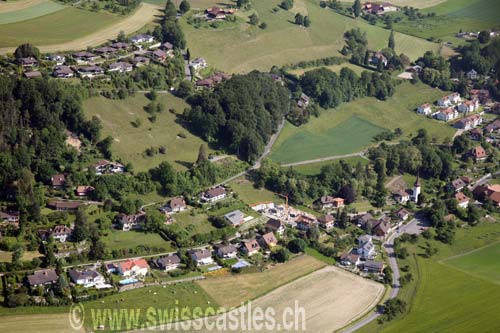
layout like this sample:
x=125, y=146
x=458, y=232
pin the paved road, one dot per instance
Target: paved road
x=413, y=227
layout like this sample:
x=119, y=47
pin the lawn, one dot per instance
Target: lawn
x=58, y=27
x=251, y=195
x=242, y=48
x=334, y=68
x=351, y=127
x=482, y=263
x=311, y=169
x=43, y=8
x=194, y=224
x=117, y=240
x=229, y=291
x=6, y=256
x=130, y=142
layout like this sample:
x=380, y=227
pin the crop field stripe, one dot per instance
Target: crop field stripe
x=41, y=9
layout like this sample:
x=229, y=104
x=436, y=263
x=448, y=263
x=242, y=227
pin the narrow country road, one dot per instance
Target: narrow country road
x=413, y=227
x=329, y=158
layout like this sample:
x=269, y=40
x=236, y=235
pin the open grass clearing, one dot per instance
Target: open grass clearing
x=251, y=195
x=39, y=9
x=38, y=323
x=117, y=240
x=10, y=6
x=312, y=169
x=365, y=114
x=131, y=142
x=6, y=256
x=69, y=29
x=194, y=224
x=245, y=47
x=334, y=68
x=229, y=291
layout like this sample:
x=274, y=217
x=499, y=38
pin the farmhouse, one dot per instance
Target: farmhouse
x=326, y=221
x=58, y=181
x=201, y=257
x=44, y=277
x=235, y=218
x=175, y=205
x=142, y=38
x=366, y=249
x=213, y=194
x=90, y=71
x=61, y=205
x=449, y=100
x=478, y=154
x=268, y=240
x=32, y=74
x=226, y=251
x=198, y=63
x=129, y=222
x=447, y=114
x=469, y=122
x=217, y=13
x=424, y=109
x=133, y=267
x=86, y=277
x=168, y=263
x=379, y=9
x=275, y=226
x=84, y=190
x=120, y=67
x=28, y=62
x=250, y=247
x=468, y=106
x=462, y=199
x=63, y=72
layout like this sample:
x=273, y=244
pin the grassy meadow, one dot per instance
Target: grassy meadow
x=242, y=47
x=130, y=142
x=58, y=27
x=334, y=68
x=40, y=9
x=251, y=195
x=351, y=126
x=117, y=240
x=311, y=169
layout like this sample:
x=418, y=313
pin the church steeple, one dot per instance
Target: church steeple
x=416, y=189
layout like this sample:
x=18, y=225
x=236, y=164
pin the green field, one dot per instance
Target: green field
x=251, y=195
x=131, y=142
x=483, y=263
x=241, y=48
x=44, y=8
x=333, y=68
x=117, y=240
x=311, y=169
x=194, y=224
x=350, y=127
x=453, y=15
x=58, y=27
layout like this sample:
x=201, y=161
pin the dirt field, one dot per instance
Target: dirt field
x=11, y=6
x=49, y=323
x=232, y=290
x=145, y=14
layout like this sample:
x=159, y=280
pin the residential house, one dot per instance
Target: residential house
x=366, y=249
x=402, y=197
x=159, y=55
x=424, y=109
x=32, y=74
x=213, y=194
x=142, y=38
x=468, y=106
x=457, y=184
x=104, y=167
x=305, y=222
x=90, y=71
x=478, y=154
x=471, y=75
x=63, y=72
x=250, y=247
x=331, y=202
x=198, y=63
x=111, y=268
x=58, y=181
x=469, y=122
x=213, y=80
x=326, y=221
x=133, y=267
x=363, y=220
x=235, y=218
x=87, y=277
x=493, y=127
x=482, y=94
x=476, y=134
x=226, y=251
x=268, y=240
x=9, y=217
x=447, y=114
x=84, y=57
x=349, y=259
x=275, y=226
x=120, y=46
x=139, y=61
x=303, y=101
x=217, y=13
x=403, y=214
x=57, y=58
x=383, y=228
x=168, y=48
x=201, y=256
x=28, y=62
x=120, y=67
x=84, y=190
x=371, y=266
x=462, y=199
x=168, y=263
x=129, y=222
x=61, y=205
x=61, y=233
x=175, y=205
x=378, y=58
x=105, y=51
x=44, y=277
x=449, y=100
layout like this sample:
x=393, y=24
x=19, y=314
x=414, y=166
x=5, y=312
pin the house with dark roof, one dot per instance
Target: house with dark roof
x=84, y=190
x=235, y=218
x=213, y=194
x=226, y=251
x=493, y=127
x=84, y=57
x=44, y=277
x=61, y=233
x=32, y=74
x=105, y=50
x=326, y=221
x=371, y=266
x=168, y=263
x=63, y=72
x=403, y=214
x=175, y=205
x=58, y=181
x=129, y=222
x=9, y=217
x=86, y=277
x=275, y=226
x=120, y=45
x=469, y=122
x=201, y=256
x=305, y=222
x=382, y=228
x=28, y=62
x=90, y=71
x=120, y=67
x=268, y=240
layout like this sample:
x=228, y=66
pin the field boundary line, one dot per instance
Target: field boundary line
x=468, y=252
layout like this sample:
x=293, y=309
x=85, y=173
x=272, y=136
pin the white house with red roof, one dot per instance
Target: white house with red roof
x=133, y=267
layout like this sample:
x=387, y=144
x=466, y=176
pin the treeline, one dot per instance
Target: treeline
x=330, y=89
x=169, y=30
x=241, y=113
